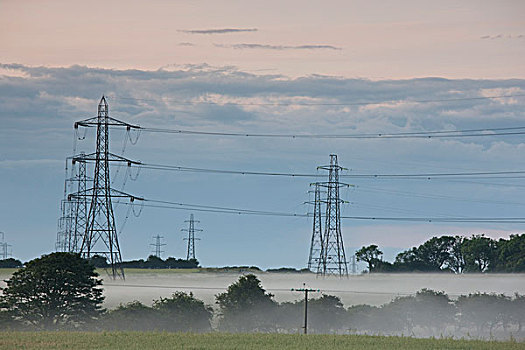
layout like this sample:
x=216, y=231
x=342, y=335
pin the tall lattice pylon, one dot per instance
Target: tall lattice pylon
x=81, y=206
x=333, y=259
x=100, y=236
x=316, y=244
x=191, y=237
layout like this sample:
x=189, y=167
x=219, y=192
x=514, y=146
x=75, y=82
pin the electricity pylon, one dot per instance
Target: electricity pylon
x=72, y=223
x=158, y=246
x=191, y=237
x=4, y=248
x=66, y=219
x=100, y=235
x=316, y=243
x=333, y=259
x=81, y=206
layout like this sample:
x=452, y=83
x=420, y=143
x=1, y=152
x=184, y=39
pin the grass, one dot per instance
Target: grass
x=155, y=340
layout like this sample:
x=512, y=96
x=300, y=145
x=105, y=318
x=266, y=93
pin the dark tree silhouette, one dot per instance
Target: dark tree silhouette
x=246, y=306
x=183, y=313
x=479, y=252
x=371, y=255
x=58, y=290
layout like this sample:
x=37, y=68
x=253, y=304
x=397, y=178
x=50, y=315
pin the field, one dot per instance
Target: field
x=152, y=340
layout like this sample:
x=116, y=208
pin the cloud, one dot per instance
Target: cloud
x=218, y=31
x=501, y=36
x=12, y=164
x=279, y=47
x=40, y=105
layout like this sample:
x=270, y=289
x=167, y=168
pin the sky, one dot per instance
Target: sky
x=337, y=67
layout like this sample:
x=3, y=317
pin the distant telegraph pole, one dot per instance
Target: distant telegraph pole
x=305, y=290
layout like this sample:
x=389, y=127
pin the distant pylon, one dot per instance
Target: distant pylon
x=67, y=209
x=316, y=244
x=191, y=237
x=158, y=246
x=333, y=259
x=4, y=248
x=100, y=236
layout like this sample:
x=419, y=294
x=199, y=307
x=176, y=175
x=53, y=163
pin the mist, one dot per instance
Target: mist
x=372, y=289
x=470, y=306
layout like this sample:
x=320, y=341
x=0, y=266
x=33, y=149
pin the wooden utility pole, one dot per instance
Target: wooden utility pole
x=305, y=290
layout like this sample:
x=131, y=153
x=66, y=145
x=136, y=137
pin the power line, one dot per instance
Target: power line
x=193, y=103
x=480, y=174
x=239, y=211
x=405, y=135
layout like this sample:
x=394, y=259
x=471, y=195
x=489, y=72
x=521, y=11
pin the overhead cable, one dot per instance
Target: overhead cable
x=480, y=174
x=240, y=211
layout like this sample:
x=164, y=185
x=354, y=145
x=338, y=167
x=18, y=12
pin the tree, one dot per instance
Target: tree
x=456, y=259
x=10, y=263
x=483, y=311
x=246, y=306
x=510, y=254
x=154, y=262
x=133, y=316
x=371, y=255
x=99, y=261
x=433, y=255
x=58, y=290
x=183, y=313
x=326, y=314
x=432, y=311
x=411, y=260
x=479, y=252
x=435, y=252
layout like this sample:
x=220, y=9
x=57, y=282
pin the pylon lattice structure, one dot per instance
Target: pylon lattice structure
x=333, y=258
x=81, y=206
x=354, y=265
x=72, y=223
x=100, y=234
x=66, y=218
x=316, y=244
x=158, y=246
x=191, y=237
x=4, y=248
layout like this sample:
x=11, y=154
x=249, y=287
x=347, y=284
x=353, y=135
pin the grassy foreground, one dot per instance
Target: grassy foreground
x=155, y=340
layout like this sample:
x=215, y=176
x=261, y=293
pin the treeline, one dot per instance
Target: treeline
x=10, y=263
x=152, y=262
x=454, y=254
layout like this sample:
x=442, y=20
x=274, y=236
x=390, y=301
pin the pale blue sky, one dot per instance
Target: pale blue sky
x=367, y=52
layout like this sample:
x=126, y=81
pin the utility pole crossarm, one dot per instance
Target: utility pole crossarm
x=305, y=290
